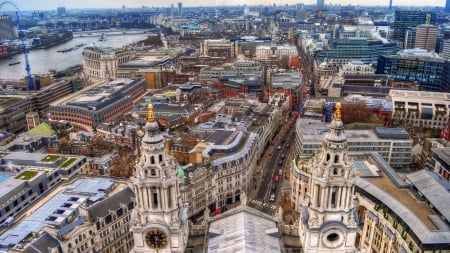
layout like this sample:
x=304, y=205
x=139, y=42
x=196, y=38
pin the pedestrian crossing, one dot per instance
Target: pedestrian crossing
x=261, y=205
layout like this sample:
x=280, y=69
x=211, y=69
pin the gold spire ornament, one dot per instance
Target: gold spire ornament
x=150, y=115
x=337, y=113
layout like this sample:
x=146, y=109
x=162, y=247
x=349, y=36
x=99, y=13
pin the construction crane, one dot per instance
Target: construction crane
x=23, y=46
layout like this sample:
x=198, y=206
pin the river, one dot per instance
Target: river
x=41, y=60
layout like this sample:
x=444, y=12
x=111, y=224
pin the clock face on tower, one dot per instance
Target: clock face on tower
x=156, y=238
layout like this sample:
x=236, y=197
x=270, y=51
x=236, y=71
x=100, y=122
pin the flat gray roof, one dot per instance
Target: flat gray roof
x=314, y=130
x=57, y=209
x=434, y=188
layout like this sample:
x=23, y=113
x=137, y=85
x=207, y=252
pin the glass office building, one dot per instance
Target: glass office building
x=416, y=66
x=349, y=49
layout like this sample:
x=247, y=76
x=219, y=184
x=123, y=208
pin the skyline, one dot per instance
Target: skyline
x=27, y=5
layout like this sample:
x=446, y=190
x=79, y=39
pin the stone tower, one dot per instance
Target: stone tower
x=329, y=220
x=159, y=219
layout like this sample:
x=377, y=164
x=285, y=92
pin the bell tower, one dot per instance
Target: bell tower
x=329, y=221
x=159, y=219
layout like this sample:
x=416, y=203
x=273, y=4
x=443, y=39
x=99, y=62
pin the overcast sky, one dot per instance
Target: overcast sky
x=53, y=4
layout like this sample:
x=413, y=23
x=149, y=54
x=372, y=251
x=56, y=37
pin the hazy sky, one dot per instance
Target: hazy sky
x=53, y=4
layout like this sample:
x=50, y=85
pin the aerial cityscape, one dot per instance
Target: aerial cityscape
x=191, y=127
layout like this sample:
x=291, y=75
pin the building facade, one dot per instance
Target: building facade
x=101, y=103
x=159, y=219
x=7, y=31
x=415, y=66
x=100, y=64
x=361, y=49
x=420, y=109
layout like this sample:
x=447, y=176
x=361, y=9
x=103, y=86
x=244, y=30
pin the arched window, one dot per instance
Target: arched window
x=152, y=160
x=336, y=159
x=328, y=157
x=153, y=172
x=335, y=171
x=160, y=158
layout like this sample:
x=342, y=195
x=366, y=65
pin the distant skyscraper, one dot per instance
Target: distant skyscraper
x=61, y=11
x=426, y=37
x=320, y=4
x=447, y=6
x=7, y=31
x=180, y=7
x=410, y=19
x=390, y=4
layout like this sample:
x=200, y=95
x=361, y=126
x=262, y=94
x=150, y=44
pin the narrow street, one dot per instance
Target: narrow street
x=275, y=159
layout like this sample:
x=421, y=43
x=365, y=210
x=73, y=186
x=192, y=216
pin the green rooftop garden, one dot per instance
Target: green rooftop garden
x=68, y=162
x=26, y=175
x=50, y=158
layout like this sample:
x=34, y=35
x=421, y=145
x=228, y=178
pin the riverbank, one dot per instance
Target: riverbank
x=43, y=60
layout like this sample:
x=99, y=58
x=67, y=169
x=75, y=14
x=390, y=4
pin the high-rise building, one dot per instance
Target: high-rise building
x=343, y=51
x=320, y=4
x=7, y=31
x=180, y=7
x=61, y=11
x=159, y=219
x=409, y=19
x=426, y=37
x=447, y=6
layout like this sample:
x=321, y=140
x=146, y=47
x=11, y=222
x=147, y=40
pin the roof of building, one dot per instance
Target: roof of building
x=44, y=243
x=222, y=137
x=422, y=95
x=102, y=208
x=57, y=210
x=314, y=130
x=416, y=213
x=243, y=232
x=42, y=129
x=442, y=153
x=434, y=188
x=99, y=96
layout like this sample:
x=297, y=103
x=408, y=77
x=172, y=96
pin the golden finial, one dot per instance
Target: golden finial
x=337, y=113
x=150, y=115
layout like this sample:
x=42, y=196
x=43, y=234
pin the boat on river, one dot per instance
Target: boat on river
x=65, y=50
x=14, y=63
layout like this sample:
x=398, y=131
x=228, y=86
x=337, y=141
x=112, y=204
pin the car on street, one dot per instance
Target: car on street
x=272, y=197
x=280, y=162
x=282, y=156
x=274, y=187
x=279, y=147
x=276, y=178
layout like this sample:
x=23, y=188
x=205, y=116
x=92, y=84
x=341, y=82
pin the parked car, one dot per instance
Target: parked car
x=272, y=197
x=279, y=147
x=280, y=162
x=282, y=156
x=280, y=172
